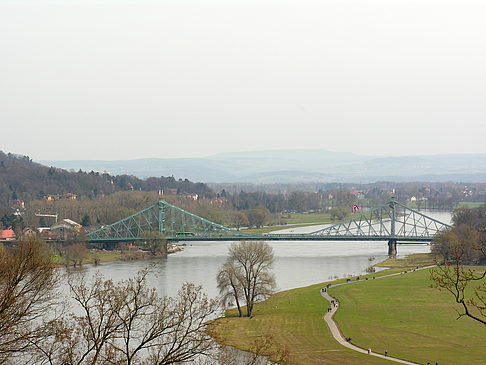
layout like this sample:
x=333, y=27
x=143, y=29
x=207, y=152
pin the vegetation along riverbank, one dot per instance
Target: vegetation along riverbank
x=403, y=315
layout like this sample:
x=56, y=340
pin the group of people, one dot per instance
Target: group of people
x=334, y=303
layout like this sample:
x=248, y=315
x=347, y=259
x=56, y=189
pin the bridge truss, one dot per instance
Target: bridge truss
x=393, y=222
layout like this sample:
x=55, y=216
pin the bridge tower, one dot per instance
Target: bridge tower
x=392, y=243
x=161, y=217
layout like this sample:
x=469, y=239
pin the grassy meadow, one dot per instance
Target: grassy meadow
x=294, y=220
x=409, y=319
x=470, y=204
x=91, y=257
x=400, y=314
x=313, y=218
x=294, y=319
x=410, y=261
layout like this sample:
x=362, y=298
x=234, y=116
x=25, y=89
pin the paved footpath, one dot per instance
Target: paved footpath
x=336, y=332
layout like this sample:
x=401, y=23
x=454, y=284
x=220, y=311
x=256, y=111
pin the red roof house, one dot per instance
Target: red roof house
x=7, y=234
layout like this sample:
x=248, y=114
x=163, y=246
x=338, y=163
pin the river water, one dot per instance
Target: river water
x=297, y=263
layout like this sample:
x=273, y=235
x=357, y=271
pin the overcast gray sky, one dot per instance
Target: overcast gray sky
x=190, y=78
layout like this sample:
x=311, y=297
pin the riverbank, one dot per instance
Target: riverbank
x=402, y=315
x=96, y=256
x=409, y=261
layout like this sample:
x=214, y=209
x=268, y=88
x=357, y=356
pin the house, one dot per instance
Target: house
x=44, y=232
x=65, y=229
x=7, y=235
x=54, y=197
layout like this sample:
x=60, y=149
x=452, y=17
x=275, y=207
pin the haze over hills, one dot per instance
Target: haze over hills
x=282, y=166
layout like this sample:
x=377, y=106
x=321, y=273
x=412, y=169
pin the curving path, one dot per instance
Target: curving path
x=336, y=332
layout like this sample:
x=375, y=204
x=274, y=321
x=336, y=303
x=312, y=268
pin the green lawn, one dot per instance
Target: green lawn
x=294, y=319
x=471, y=204
x=402, y=315
x=103, y=256
x=299, y=218
x=296, y=220
x=409, y=319
x=410, y=261
x=263, y=229
x=277, y=228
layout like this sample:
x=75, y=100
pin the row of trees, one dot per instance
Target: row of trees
x=298, y=201
x=322, y=196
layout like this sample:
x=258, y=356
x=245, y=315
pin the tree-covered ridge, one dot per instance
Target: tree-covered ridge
x=23, y=179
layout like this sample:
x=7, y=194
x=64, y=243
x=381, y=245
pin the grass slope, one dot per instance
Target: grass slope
x=410, y=261
x=411, y=320
x=102, y=256
x=401, y=314
x=315, y=218
x=294, y=319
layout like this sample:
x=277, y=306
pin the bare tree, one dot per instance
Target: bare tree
x=76, y=254
x=99, y=302
x=229, y=285
x=27, y=285
x=453, y=276
x=186, y=337
x=248, y=266
x=239, y=219
x=129, y=323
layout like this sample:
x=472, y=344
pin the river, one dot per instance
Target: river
x=297, y=263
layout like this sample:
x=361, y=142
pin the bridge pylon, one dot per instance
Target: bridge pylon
x=392, y=247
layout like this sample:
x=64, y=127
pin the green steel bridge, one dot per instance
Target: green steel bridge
x=392, y=222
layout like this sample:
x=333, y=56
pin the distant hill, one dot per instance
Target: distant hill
x=25, y=180
x=282, y=166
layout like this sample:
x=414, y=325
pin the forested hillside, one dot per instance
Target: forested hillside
x=22, y=180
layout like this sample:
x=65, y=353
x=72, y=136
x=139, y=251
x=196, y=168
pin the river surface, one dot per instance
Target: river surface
x=297, y=263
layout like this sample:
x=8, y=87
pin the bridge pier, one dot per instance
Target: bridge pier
x=166, y=251
x=392, y=247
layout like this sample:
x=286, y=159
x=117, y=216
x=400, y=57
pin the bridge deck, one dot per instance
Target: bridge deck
x=281, y=237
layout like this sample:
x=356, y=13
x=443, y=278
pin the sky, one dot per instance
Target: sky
x=117, y=79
